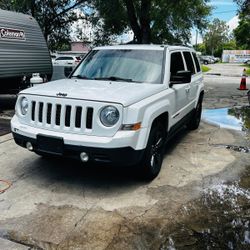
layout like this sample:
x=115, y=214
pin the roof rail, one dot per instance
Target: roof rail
x=182, y=44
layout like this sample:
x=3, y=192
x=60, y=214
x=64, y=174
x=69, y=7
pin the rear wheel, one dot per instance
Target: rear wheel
x=196, y=117
x=154, y=153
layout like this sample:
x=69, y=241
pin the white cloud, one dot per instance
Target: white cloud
x=233, y=23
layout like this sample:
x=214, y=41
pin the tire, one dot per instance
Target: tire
x=154, y=153
x=205, y=62
x=196, y=117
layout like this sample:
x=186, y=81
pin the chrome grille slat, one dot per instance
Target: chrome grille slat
x=45, y=108
x=53, y=116
x=73, y=116
x=62, y=119
x=36, y=111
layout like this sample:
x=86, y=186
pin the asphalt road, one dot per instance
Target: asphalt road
x=60, y=204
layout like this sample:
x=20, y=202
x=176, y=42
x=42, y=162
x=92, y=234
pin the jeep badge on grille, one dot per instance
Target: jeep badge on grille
x=61, y=94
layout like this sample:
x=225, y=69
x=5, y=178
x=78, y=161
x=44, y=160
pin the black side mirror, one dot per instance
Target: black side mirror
x=181, y=77
x=67, y=71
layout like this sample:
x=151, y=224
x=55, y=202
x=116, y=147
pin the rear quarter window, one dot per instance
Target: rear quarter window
x=189, y=61
x=197, y=64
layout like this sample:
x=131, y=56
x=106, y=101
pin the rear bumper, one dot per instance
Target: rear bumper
x=125, y=156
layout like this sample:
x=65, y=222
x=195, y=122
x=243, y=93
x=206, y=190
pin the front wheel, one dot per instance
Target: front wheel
x=154, y=153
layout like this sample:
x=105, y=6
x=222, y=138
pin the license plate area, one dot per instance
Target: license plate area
x=50, y=144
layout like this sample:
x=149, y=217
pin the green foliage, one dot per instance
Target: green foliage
x=156, y=21
x=216, y=36
x=201, y=48
x=241, y=33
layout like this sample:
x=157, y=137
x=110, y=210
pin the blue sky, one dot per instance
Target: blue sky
x=223, y=9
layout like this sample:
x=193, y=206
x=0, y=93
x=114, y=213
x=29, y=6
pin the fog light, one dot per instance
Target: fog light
x=84, y=157
x=29, y=146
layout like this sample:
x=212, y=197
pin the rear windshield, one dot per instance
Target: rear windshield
x=142, y=66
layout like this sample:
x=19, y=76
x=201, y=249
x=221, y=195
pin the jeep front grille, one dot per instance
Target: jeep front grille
x=62, y=115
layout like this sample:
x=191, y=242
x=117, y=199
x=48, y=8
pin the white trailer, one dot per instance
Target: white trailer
x=23, y=51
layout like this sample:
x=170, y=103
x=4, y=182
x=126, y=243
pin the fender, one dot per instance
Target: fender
x=150, y=114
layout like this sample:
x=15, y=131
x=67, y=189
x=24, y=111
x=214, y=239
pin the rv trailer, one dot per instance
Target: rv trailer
x=23, y=52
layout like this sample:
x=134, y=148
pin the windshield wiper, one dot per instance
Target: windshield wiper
x=114, y=78
x=81, y=77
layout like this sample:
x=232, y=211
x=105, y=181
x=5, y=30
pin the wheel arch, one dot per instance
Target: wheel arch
x=162, y=117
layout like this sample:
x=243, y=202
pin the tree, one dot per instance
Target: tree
x=216, y=35
x=241, y=33
x=54, y=17
x=157, y=21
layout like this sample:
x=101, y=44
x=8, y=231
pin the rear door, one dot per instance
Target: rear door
x=181, y=91
x=193, y=85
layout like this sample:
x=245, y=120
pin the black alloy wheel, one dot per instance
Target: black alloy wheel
x=196, y=118
x=154, y=153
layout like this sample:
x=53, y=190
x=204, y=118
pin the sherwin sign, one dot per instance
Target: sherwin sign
x=12, y=34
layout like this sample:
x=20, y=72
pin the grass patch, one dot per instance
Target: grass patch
x=205, y=68
x=248, y=70
x=247, y=67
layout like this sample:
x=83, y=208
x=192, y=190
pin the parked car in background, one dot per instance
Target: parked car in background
x=67, y=60
x=247, y=62
x=208, y=59
x=205, y=60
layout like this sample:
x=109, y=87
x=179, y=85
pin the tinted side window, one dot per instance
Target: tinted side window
x=176, y=63
x=64, y=58
x=196, y=62
x=60, y=58
x=189, y=62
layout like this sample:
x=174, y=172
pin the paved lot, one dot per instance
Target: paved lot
x=60, y=204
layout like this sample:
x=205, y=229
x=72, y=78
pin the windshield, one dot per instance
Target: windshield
x=122, y=65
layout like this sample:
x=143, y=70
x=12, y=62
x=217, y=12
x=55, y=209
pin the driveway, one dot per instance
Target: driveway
x=60, y=204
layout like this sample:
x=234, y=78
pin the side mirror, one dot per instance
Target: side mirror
x=67, y=71
x=181, y=77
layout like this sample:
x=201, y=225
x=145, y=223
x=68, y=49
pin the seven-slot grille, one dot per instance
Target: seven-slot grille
x=62, y=115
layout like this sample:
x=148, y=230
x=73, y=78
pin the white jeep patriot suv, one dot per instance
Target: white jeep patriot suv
x=119, y=106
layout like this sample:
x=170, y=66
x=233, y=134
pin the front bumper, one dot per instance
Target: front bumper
x=125, y=156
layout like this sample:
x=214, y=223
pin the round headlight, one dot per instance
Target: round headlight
x=109, y=116
x=24, y=105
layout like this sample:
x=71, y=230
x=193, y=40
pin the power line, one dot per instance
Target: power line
x=228, y=11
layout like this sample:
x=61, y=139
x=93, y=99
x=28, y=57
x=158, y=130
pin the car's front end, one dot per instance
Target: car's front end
x=86, y=130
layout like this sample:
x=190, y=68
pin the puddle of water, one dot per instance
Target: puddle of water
x=237, y=118
x=220, y=219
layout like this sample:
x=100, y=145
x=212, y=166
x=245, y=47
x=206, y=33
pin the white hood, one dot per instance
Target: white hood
x=105, y=91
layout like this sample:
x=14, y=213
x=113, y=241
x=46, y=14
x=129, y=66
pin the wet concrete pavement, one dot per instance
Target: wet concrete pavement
x=200, y=200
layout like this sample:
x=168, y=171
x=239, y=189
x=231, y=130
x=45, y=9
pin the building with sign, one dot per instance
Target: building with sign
x=235, y=56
